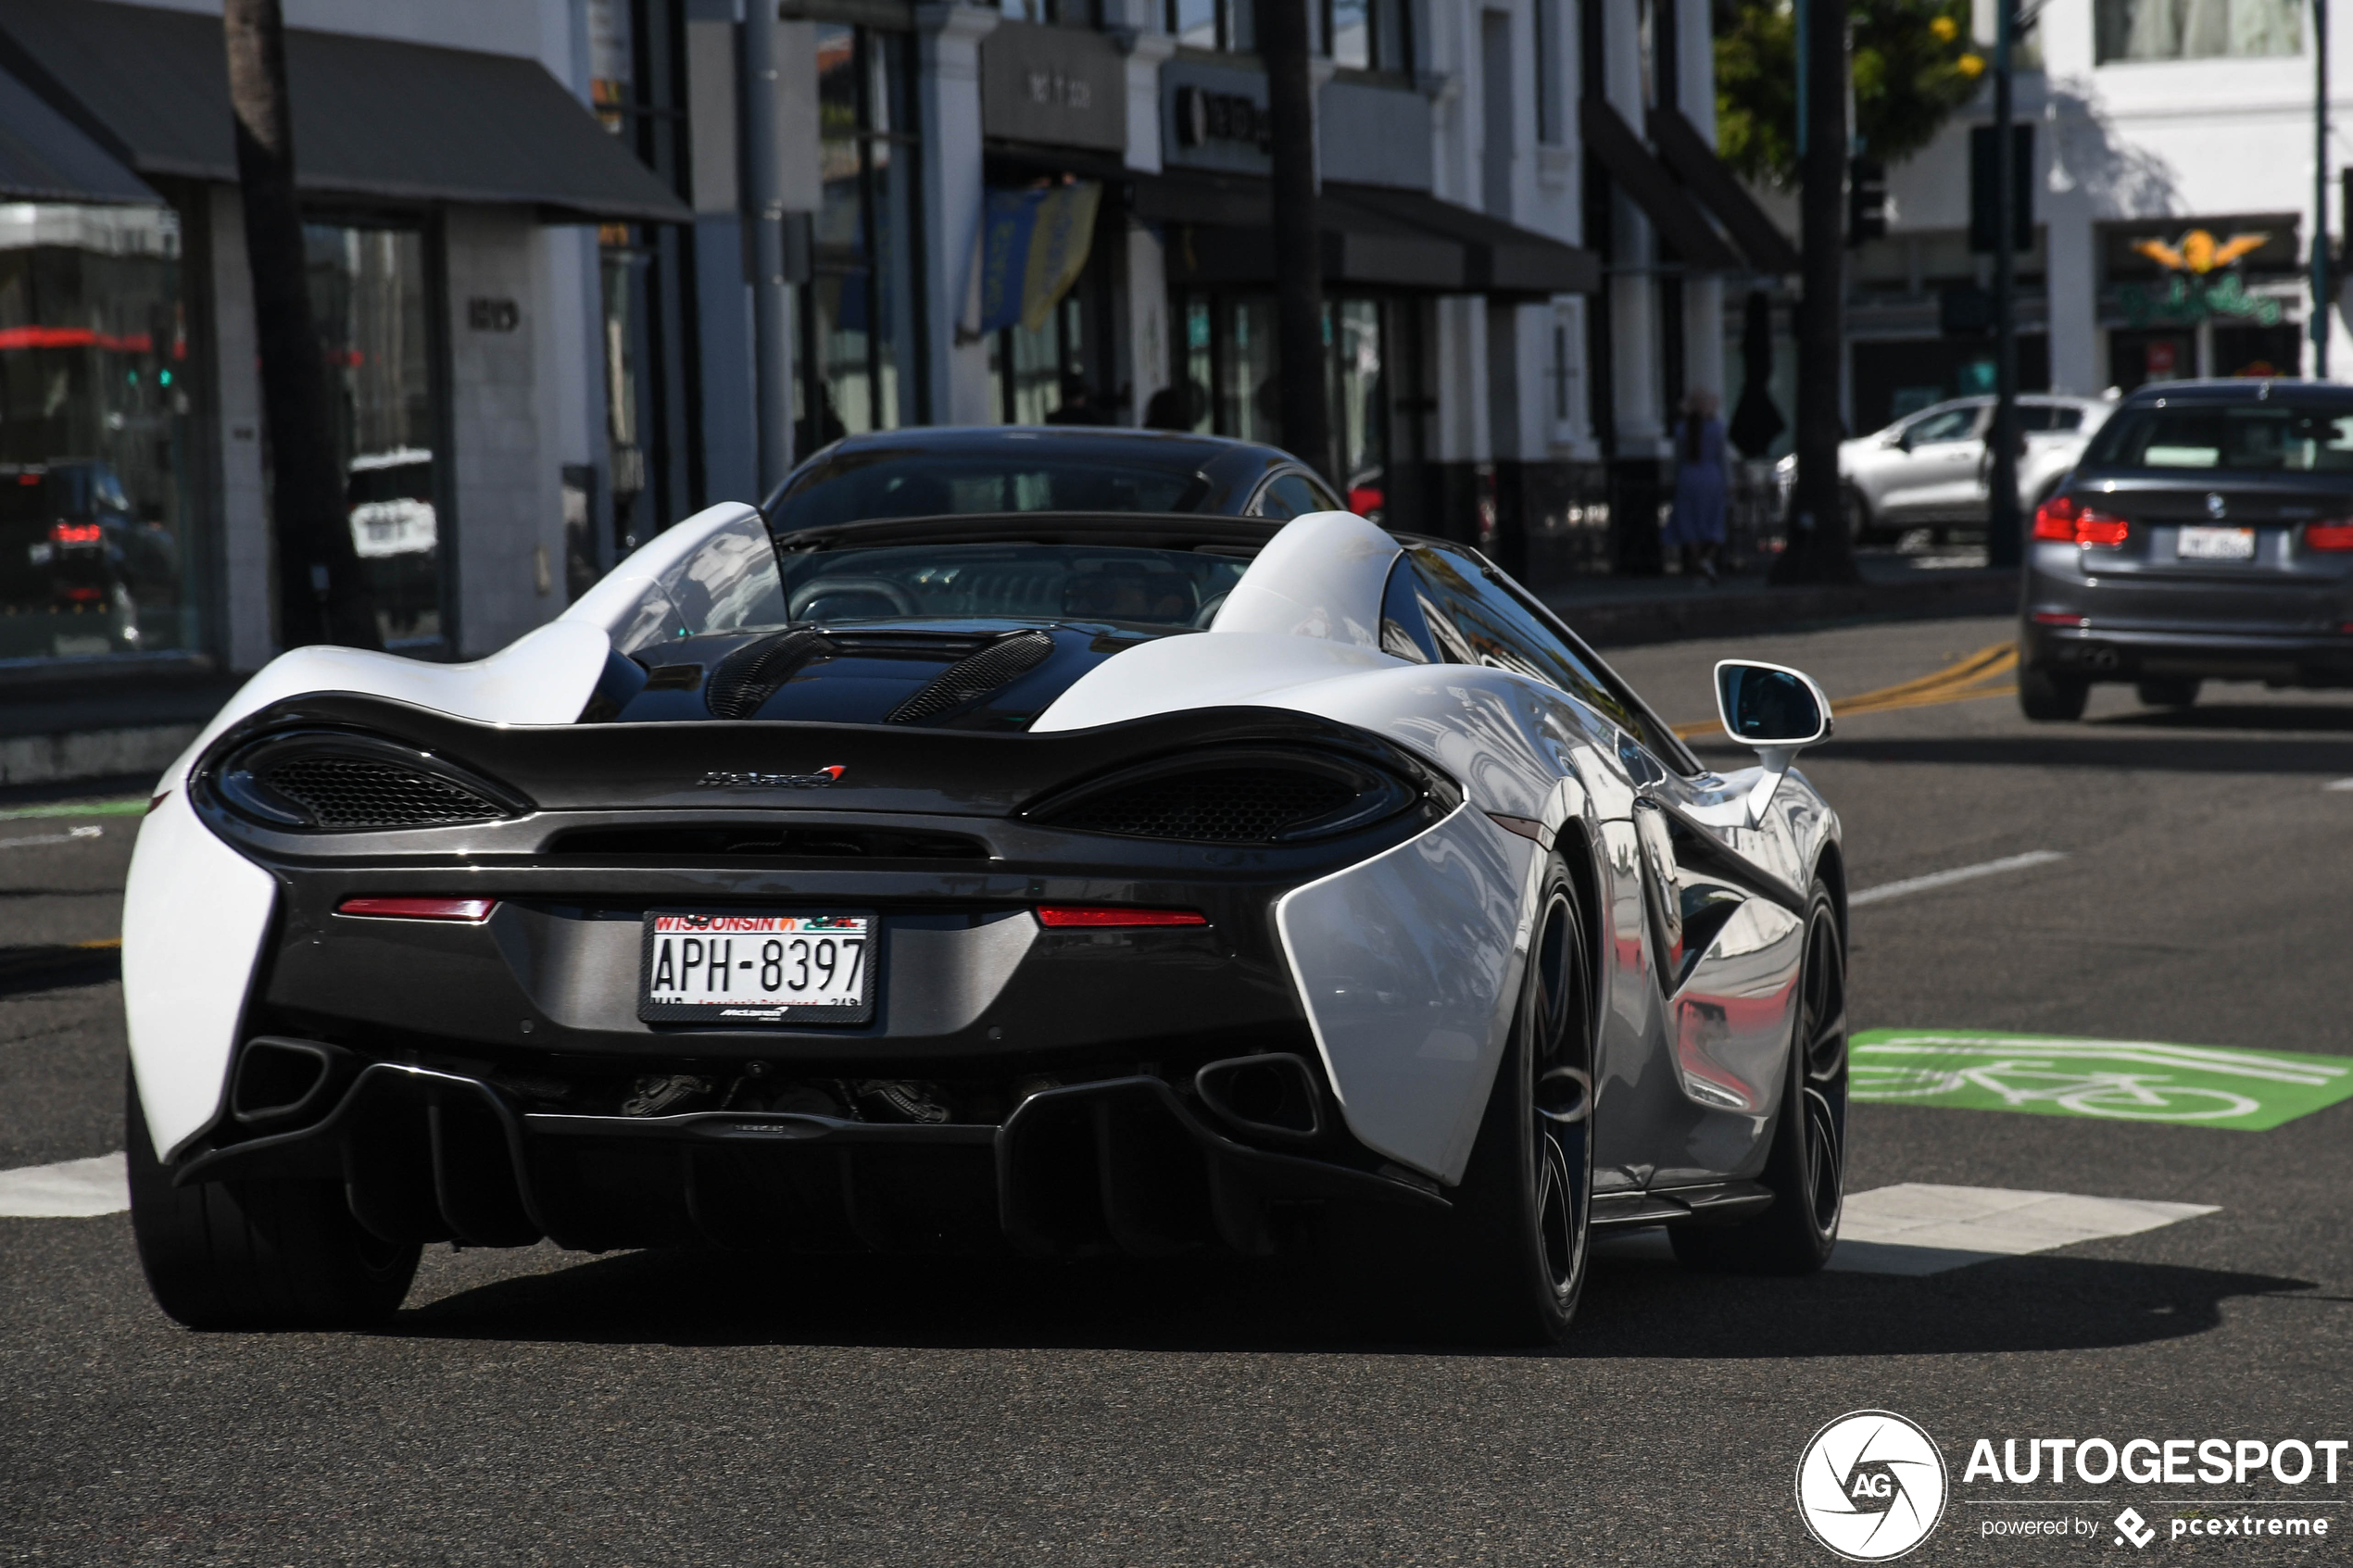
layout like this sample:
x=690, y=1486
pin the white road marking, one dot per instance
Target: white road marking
x=1916, y=1228
x=2343, y=785
x=1959, y=873
x=65, y=838
x=72, y=1189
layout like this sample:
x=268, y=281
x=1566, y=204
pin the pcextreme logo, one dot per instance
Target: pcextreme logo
x=1871, y=1486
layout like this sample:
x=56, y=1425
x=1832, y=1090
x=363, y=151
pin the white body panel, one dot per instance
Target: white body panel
x=1321, y=577
x=194, y=914
x=1410, y=1015
x=543, y=678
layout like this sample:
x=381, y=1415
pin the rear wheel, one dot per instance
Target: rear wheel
x=2047, y=698
x=258, y=1254
x=1507, y=1265
x=1806, y=1166
x=2175, y=691
x=1861, y=526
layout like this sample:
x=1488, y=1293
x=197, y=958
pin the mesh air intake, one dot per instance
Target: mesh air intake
x=969, y=680
x=367, y=792
x=1213, y=806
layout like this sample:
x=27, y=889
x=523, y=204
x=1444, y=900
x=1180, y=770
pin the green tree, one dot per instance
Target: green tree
x=1913, y=66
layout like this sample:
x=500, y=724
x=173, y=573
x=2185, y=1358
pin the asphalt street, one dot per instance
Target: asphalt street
x=2162, y=877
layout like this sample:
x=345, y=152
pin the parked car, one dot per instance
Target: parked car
x=1931, y=469
x=2206, y=534
x=943, y=472
x=71, y=546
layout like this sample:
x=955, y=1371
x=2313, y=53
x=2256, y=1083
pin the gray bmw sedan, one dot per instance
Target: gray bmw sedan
x=2207, y=532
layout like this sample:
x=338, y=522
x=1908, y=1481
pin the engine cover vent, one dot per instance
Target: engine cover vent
x=968, y=680
x=750, y=675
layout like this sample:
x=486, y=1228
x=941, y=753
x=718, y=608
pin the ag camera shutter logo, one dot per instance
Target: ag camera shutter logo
x=1871, y=1486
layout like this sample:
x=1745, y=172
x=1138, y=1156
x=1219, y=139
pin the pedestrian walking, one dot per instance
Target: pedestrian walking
x=1696, y=524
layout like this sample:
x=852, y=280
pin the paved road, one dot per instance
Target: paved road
x=538, y=1407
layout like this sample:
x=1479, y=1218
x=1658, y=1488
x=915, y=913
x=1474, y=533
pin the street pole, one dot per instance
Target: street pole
x=2003, y=545
x=2320, y=189
x=1299, y=247
x=765, y=210
x=1818, y=547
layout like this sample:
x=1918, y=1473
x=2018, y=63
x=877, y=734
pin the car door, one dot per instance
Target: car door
x=1935, y=479
x=1689, y=1051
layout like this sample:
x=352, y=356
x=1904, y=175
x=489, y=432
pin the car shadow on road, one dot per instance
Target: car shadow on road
x=1631, y=1308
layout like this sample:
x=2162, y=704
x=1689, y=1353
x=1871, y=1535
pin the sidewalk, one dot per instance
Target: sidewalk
x=108, y=725
x=1628, y=611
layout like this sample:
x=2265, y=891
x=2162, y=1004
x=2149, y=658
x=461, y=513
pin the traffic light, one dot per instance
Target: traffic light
x=1866, y=200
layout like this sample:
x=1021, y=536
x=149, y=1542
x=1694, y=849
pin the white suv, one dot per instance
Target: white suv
x=1930, y=469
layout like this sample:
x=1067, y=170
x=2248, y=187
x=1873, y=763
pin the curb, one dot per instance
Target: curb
x=1735, y=612
x=93, y=754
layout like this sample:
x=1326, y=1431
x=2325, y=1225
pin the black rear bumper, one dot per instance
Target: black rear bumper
x=2103, y=652
x=1120, y=1165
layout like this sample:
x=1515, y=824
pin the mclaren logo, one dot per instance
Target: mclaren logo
x=821, y=779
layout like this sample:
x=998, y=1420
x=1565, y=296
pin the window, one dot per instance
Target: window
x=1548, y=75
x=1056, y=13
x=1214, y=24
x=1952, y=424
x=860, y=321
x=2253, y=437
x=368, y=293
x=1473, y=614
x=1290, y=495
x=1369, y=34
x=97, y=552
x=1004, y=476
x=2197, y=30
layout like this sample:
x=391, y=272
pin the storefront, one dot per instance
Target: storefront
x=129, y=394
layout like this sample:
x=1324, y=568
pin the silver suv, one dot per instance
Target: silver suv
x=1930, y=469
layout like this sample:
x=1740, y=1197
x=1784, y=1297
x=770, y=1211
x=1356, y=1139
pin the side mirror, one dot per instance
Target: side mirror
x=1774, y=709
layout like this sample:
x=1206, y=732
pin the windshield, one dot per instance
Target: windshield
x=1012, y=582
x=2259, y=437
x=1008, y=477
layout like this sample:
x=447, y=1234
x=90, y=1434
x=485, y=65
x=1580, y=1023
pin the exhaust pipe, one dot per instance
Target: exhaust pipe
x=280, y=1080
x=1275, y=1095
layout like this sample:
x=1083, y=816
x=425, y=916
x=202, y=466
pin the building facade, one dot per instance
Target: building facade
x=2172, y=213
x=533, y=227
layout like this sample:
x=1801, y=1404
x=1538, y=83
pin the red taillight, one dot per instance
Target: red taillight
x=1101, y=915
x=1364, y=500
x=2329, y=535
x=2065, y=521
x=2059, y=618
x=474, y=910
x=74, y=532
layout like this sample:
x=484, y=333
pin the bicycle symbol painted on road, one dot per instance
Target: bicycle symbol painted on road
x=2109, y=1080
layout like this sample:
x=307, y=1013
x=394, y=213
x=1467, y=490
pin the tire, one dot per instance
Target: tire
x=1861, y=526
x=257, y=1254
x=1508, y=1265
x=2047, y=698
x=1806, y=1165
x=2174, y=691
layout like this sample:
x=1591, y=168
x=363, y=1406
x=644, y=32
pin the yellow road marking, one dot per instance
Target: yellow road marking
x=101, y=942
x=1962, y=681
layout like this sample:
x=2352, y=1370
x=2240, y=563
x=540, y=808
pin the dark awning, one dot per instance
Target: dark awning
x=373, y=117
x=1372, y=235
x=1686, y=152
x=44, y=158
x=1646, y=183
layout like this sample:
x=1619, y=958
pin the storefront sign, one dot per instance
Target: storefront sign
x=2202, y=279
x=1056, y=86
x=1214, y=117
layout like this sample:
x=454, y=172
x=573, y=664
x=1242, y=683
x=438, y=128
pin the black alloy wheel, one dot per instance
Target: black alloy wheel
x=1806, y=1166
x=1508, y=1265
x=2049, y=699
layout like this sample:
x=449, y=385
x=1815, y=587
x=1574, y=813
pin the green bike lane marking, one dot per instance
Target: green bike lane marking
x=2104, y=1080
x=132, y=806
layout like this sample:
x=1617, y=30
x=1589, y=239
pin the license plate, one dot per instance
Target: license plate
x=2215, y=544
x=757, y=968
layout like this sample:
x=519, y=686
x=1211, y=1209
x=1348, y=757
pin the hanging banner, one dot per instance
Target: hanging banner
x=1034, y=244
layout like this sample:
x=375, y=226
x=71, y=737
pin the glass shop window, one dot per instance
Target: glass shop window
x=2197, y=30
x=861, y=326
x=96, y=515
x=367, y=292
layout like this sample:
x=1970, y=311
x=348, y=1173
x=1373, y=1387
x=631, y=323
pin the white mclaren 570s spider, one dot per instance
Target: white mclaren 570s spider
x=1053, y=882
